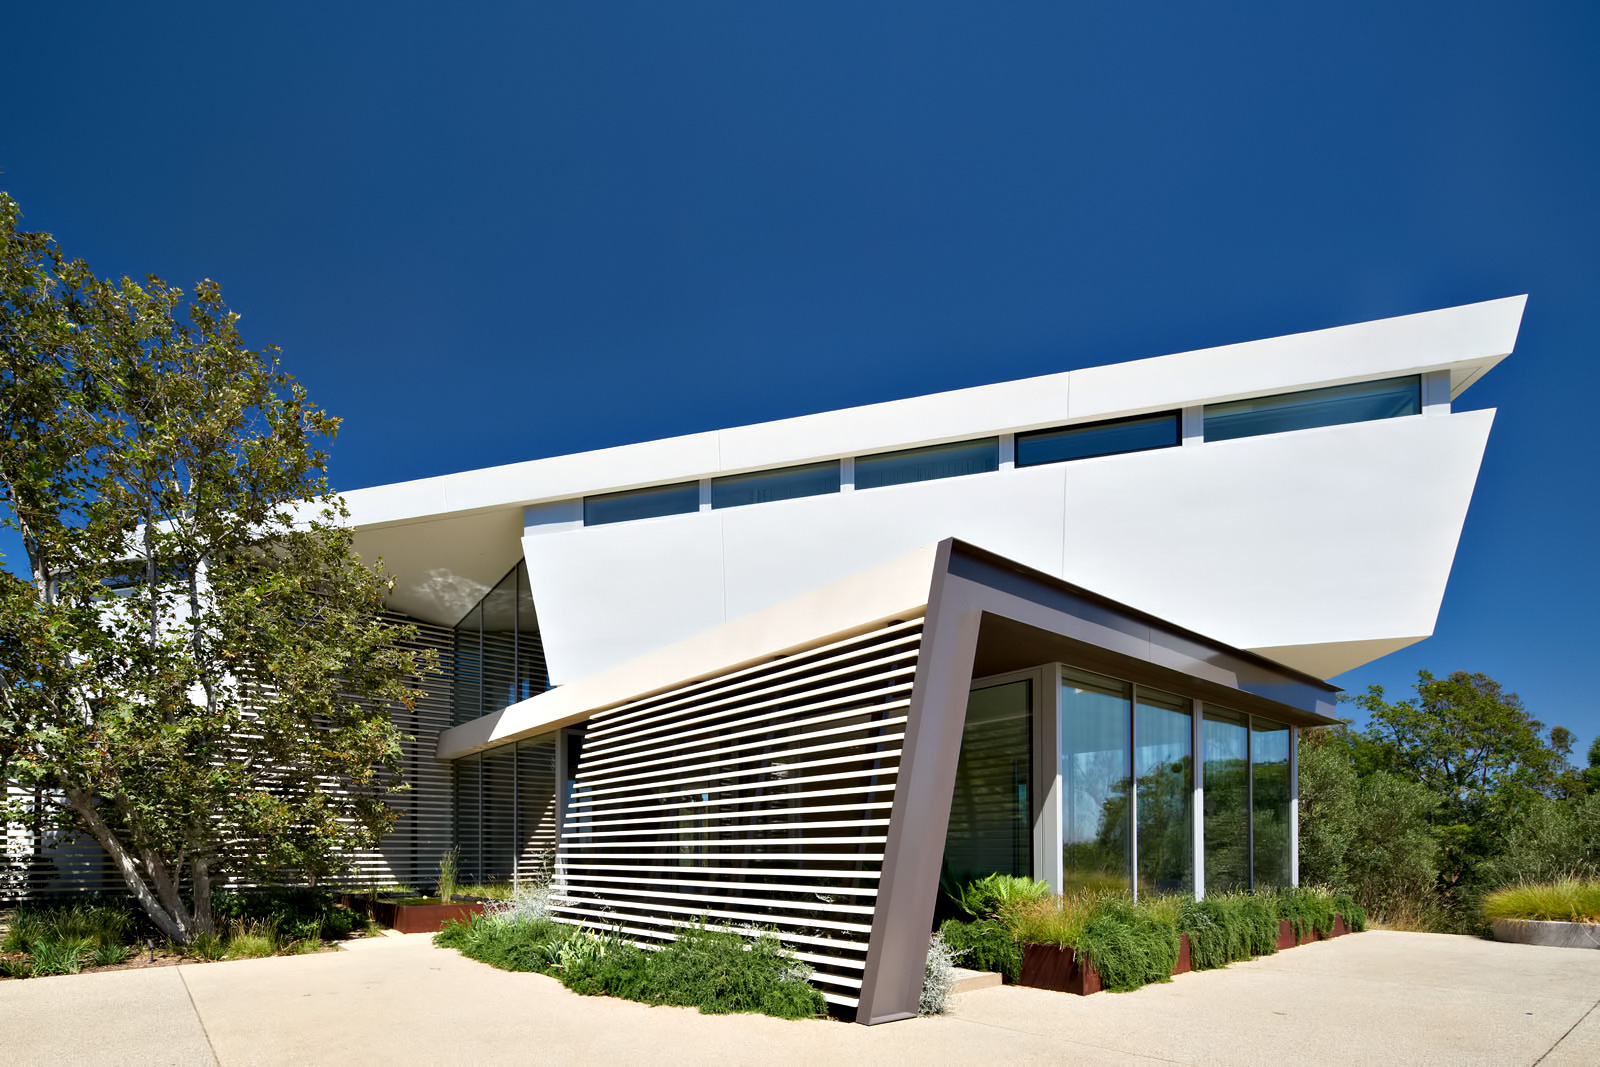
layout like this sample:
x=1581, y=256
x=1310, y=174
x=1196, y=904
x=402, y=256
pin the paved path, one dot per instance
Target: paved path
x=1376, y=998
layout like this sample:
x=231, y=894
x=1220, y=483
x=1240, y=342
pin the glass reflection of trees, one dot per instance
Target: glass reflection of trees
x=1227, y=800
x=1270, y=799
x=1104, y=750
x=1095, y=773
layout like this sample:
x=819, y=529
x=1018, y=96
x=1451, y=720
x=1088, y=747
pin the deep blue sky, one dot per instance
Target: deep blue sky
x=487, y=233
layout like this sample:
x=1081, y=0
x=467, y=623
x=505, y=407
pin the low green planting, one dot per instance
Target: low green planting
x=1130, y=945
x=1571, y=900
x=1133, y=944
x=65, y=937
x=296, y=913
x=717, y=971
x=984, y=945
x=994, y=894
x=1307, y=910
x=1057, y=921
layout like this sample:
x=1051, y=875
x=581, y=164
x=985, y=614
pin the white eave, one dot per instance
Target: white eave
x=1467, y=341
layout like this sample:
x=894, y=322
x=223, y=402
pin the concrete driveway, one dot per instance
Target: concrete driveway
x=1374, y=998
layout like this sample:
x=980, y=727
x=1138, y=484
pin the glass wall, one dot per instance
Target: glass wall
x=1096, y=772
x=991, y=811
x=499, y=655
x=1162, y=738
x=1226, y=739
x=1270, y=801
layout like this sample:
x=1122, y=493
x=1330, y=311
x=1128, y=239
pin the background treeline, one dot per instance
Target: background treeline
x=1446, y=796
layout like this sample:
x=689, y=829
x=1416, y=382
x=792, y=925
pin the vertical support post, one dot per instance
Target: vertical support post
x=1008, y=451
x=1436, y=392
x=516, y=815
x=847, y=474
x=1197, y=761
x=705, y=494
x=1047, y=773
x=1250, y=796
x=1133, y=790
x=1193, y=430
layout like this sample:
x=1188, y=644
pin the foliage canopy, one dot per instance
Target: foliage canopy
x=194, y=669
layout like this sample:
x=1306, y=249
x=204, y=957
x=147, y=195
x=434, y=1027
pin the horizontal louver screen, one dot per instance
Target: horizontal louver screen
x=759, y=798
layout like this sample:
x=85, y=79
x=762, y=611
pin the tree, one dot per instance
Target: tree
x=1476, y=749
x=194, y=670
x=1368, y=834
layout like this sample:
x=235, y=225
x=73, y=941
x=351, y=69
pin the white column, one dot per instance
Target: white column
x=1194, y=425
x=1008, y=451
x=847, y=474
x=1294, y=805
x=1047, y=773
x=1436, y=392
x=1197, y=761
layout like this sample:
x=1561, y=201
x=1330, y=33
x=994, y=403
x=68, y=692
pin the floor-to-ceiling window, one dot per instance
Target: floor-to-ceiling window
x=499, y=655
x=1162, y=738
x=1096, y=772
x=1226, y=738
x=1270, y=798
x=991, y=810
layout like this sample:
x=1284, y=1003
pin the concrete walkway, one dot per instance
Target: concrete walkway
x=1378, y=998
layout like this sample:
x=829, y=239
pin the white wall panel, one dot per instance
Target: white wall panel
x=606, y=594
x=777, y=551
x=1336, y=534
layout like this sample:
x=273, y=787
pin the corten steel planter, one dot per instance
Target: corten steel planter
x=1183, y=964
x=1060, y=969
x=413, y=918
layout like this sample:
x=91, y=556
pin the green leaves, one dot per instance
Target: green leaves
x=195, y=646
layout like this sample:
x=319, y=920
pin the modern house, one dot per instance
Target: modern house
x=794, y=674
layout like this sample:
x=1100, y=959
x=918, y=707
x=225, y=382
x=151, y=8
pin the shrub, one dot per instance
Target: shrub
x=1561, y=900
x=1056, y=921
x=1355, y=916
x=99, y=924
x=511, y=946
x=938, y=977
x=296, y=913
x=717, y=971
x=61, y=957
x=206, y=947
x=993, y=894
x=1129, y=945
x=110, y=955
x=720, y=971
x=985, y=945
x=1225, y=927
x=1307, y=910
x=252, y=939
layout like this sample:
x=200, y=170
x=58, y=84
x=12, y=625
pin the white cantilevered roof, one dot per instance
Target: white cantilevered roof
x=1467, y=341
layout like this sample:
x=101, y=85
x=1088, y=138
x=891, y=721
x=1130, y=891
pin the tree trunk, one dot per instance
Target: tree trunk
x=167, y=911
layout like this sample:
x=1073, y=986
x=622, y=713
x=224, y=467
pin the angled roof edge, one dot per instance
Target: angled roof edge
x=1467, y=340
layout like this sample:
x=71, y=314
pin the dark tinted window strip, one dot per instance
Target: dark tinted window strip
x=1137, y=434
x=926, y=464
x=641, y=503
x=812, y=479
x=1332, y=406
